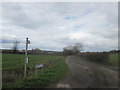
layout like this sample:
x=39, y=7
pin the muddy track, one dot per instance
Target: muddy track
x=86, y=74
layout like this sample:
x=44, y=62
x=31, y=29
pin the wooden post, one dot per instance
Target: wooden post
x=25, y=58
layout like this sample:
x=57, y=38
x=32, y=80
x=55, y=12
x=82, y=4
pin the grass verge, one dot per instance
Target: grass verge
x=43, y=78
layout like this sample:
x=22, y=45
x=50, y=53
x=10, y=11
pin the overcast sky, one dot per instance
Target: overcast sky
x=52, y=26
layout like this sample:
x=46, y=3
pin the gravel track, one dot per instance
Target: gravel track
x=86, y=74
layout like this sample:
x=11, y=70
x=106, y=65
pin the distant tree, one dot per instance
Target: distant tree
x=70, y=50
x=67, y=51
x=78, y=47
x=36, y=50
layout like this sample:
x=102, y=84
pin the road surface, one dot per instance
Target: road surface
x=84, y=74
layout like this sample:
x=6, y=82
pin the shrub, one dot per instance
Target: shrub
x=97, y=57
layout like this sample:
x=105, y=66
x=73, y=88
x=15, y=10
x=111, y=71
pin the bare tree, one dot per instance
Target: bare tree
x=78, y=47
x=69, y=50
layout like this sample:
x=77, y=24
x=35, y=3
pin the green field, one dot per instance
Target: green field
x=55, y=70
x=113, y=59
x=15, y=61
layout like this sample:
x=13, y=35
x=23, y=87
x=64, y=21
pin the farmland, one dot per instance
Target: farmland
x=13, y=67
x=15, y=61
x=113, y=59
x=55, y=68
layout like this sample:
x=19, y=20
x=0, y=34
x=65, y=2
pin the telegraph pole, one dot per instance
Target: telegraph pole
x=26, y=58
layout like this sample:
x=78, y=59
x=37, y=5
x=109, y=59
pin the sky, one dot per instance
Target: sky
x=55, y=25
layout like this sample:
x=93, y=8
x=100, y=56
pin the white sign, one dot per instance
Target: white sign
x=39, y=66
x=26, y=61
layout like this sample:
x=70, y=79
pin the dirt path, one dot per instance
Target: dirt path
x=86, y=74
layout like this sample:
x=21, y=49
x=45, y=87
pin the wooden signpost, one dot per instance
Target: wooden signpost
x=26, y=57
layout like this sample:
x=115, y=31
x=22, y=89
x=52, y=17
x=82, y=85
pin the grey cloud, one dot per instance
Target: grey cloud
x=45, y=24
x=14, y=15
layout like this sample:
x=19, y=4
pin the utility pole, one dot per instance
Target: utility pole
x=26, y=58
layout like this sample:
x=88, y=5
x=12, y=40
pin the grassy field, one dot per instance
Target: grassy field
x=15, y=61
x=113, y=59
x=12, y=62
